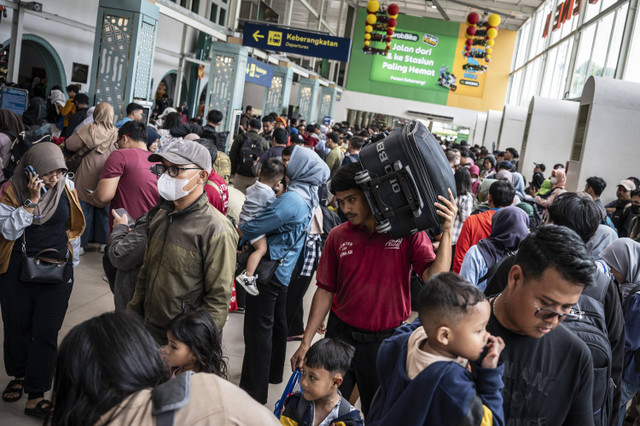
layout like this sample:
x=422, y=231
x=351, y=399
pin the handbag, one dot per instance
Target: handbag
x=74, y=159
x=267, y=267
x=44, y=267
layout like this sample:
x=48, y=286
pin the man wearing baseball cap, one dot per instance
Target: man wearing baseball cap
x=190, y=257
x=620, y=212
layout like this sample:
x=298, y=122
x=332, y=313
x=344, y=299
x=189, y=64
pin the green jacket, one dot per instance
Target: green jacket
x=190, y=260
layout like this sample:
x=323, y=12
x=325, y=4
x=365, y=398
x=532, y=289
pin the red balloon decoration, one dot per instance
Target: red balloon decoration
x=471, y=30
x=473, y=18
x=391, y=23
x=469, y=42
x=389, y=32
x=393, y=9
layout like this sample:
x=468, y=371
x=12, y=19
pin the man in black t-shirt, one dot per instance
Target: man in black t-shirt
x=548, y=372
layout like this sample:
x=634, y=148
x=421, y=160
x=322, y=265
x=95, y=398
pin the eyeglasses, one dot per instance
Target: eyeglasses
x=173, y=171
x=547, y=314
x=56, y=174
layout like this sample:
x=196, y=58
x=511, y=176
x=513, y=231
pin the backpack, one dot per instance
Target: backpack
x=535, y=219
x=329, y=221
x=249, y=153
x=591, y=328
x=22, y=143
x=222, y=166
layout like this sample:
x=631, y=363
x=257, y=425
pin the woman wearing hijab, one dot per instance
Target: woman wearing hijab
x=623, y=258
x=285, y=221
x=33, y=312
x=558, y=181
x=96, y=141
x=10, y=127
x=509, y=226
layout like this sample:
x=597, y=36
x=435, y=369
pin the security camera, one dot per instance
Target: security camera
x=33, y=5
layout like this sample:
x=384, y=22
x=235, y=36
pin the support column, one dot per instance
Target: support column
x=226, y=81
x=123, y=53
x=15, y=47
x=308, y=97
x=327, y=102
x=277, y=96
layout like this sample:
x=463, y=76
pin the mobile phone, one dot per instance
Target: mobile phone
x=129, y=218
x=30, y=171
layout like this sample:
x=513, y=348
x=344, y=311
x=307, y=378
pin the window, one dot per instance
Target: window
x=616, y=39
x=223, y=17
x=583, y=60
x=213, y=15
x=547, y=77
x=601, y=46
x=523, y=45
x=195, y=6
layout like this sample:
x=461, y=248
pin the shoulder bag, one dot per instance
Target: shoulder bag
x=45, y=267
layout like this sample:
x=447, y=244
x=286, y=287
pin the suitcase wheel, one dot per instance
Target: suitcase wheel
x=384, y=226
x=362, y=177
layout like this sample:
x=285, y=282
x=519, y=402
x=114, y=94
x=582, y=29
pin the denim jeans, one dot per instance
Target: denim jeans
x=97, y=220
x=628, y=391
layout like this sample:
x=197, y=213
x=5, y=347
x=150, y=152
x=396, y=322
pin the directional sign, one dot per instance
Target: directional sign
x=271, y=37
x=259, y=72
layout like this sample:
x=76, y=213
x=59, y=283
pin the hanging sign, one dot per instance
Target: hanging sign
x=281, y=39
x=259, y=72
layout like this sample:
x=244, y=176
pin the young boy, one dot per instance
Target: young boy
x=258, y=197
x=320, y=403
x=427, y=381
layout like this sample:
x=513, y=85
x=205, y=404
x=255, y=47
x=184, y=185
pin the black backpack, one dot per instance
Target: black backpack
x=250, y=152
x=22, y=142
x=329, y=221
x=591, y=328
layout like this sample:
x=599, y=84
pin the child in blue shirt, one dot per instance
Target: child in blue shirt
x=320, y=403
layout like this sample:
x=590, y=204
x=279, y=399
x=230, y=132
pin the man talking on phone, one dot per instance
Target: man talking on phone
x=126, y=180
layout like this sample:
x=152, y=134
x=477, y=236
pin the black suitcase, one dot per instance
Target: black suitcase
x=404, y=172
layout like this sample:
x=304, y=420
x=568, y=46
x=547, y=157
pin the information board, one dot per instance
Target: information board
x=259, y=72
x=281, y=39
x=14, y=99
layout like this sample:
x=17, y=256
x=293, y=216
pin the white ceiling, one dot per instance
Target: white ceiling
x=514, y=12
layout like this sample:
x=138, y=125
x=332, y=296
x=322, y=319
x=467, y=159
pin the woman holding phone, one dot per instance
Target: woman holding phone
x=32, y=220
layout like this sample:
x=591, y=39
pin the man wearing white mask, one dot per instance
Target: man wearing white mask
x=191, y=253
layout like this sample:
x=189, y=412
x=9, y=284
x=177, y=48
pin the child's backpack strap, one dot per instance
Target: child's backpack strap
x=169, y=397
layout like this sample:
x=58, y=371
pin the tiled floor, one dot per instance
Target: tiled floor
x=91, y=296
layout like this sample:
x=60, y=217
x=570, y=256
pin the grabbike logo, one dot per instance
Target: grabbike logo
x=406, y=36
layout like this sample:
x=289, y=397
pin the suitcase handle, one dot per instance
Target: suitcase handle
x=408, y=186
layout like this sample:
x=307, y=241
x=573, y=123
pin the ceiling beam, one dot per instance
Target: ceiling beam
x=441, y=10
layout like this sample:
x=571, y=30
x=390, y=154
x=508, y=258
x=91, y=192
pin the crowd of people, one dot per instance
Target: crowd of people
x=526, y=295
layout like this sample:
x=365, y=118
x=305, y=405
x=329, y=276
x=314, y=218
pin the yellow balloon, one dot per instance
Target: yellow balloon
x=371, y=19
x=467, y=36
x=366, y=42
x=488, y=57
x=393, y=16
x=373, y=6
x=367, y=36
x=490, y=42
x=368, y=29
x=488, y=50
x=492, y=33
x=494, y=20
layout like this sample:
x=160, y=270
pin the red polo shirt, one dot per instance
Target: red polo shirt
x=369, y=275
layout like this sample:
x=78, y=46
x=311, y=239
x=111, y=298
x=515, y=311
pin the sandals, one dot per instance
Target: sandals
x=40, y=411
x=14, y=386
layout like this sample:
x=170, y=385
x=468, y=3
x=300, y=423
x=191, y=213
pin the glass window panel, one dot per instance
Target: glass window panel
x=516, y=88
x=616, y=39
x=607, y=3
x=195, y=6
x=213, y=16
x=547, y=77
x=601, y=45
x=592, y=9
x=523, y=48
x=561, y=69
x=223, y=17
x=583, y=60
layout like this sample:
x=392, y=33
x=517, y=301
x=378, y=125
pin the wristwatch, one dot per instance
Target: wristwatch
x=29, y=204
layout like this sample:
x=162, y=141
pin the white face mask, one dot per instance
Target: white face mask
x=457, y=163
x=345, y=145
x=553, y=180
x=171, y=188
